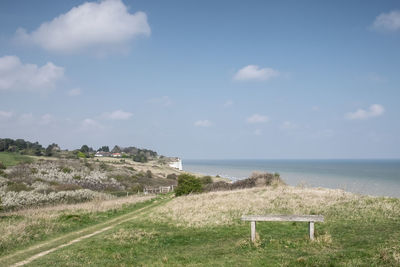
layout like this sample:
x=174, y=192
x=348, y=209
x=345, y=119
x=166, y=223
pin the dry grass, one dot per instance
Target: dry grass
x=18, y=226
x=226, y=207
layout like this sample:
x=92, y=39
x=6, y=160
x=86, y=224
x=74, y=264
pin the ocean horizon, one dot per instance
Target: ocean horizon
x=378, y=177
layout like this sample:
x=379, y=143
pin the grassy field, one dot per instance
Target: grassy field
x=206, y=230
x=12, y=159
x=25, y=229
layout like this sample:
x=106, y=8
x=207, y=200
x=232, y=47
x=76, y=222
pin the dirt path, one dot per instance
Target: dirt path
x=28, y=255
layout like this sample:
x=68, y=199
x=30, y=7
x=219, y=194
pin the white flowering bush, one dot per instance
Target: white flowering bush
x=16, y=200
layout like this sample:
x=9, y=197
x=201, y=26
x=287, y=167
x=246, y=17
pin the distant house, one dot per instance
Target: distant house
x=116, y=155
x=102, y=154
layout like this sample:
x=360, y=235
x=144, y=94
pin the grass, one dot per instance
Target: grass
x=23, y=228
x=206, y=230
x=12, y=159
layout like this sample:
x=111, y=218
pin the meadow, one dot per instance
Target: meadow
x=205, y=229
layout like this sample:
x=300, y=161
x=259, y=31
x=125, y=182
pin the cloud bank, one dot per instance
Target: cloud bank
x=257, y=118
x=118, y=115
x=387, y=21
x=203, y=123
x=255, y=73
x=15, y=75
x=374, y=110
x=102, y=24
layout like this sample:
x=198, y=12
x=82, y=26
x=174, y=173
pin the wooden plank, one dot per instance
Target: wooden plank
x=253, y=231
x=311, y=230
x=283, y=218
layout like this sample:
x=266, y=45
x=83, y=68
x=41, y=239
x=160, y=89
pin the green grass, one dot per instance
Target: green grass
x=12, y=159
x=358, y=232
x=372, y=241
x=144, y=244
x=64, y=224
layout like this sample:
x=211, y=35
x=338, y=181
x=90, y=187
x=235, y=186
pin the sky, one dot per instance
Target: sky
x=204, y=79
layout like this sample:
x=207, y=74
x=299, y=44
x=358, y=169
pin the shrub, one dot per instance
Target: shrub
x=77, y=177
x=256, y=179
x=206, y=180
x=17, y=187
x=172, y=176
x=188, y=184
x=34, y=170
x=67, y=187
x=149, y=174
x=104, y=167
x=2, y=166
x=66, y=170
x=81, y=155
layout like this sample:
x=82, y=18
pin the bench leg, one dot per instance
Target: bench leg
x=311, y=230
x=253, y=231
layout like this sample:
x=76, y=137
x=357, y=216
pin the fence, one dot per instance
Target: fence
x=158, y=190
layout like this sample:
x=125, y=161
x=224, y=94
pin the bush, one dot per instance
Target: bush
x=67, y=187
x=18, y=187
x=81, y=155
x=172, y=176
x=256, y=180
x=149, y=174
x=66, y=170
x=206, y=180
x=188, y=184
x=2, y=166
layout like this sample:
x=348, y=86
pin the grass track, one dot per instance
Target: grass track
x=25, y=254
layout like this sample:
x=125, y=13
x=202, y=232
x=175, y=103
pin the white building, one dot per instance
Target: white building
x=177, y=164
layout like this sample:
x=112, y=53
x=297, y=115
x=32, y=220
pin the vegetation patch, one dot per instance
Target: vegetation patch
x=11, y=159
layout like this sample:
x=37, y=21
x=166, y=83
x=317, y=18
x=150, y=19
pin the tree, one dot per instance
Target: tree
x=116, y=149
x=188, y=184
x=104, y=149
x=84, y=149
x=49, y=151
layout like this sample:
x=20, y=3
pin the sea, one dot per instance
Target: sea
x=367, y=177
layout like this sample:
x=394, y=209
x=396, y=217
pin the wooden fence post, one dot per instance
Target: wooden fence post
x=253, y=231
x=311, y=230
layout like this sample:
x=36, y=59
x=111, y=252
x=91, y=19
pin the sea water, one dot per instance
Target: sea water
x=372, y=177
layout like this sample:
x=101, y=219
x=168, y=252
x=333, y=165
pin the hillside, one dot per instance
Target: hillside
x=205, y=229
x=33, y=181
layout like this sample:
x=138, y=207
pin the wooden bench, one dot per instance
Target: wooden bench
x=311, y=219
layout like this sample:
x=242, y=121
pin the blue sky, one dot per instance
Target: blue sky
x=204, y=79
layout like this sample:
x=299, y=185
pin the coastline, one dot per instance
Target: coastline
x=366, y=177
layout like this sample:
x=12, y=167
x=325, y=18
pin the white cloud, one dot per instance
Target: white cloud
x=118, y=115
x=375, y=77
x=14, y=75
x=162, y=101
x=374, y=110
x=387, y=21
x=26, y=118
x=90, y=124
x=288, y=125
x=257, y=118
x=93, y=24
x=228, y=103
x=203, y=123
x=255, y=73
x=5, y=114
x=258, y=132
x=74, y=92
x=46, y=119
